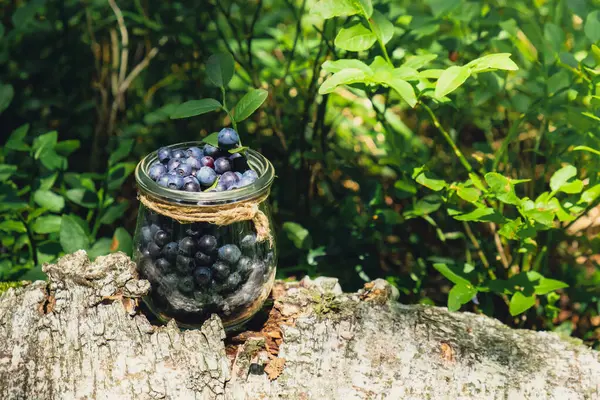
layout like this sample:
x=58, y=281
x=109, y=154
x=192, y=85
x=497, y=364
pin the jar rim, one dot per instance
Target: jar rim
x=256, y=161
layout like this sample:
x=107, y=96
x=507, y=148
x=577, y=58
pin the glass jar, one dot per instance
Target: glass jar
x=197, y=269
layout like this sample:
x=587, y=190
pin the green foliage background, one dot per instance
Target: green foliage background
x=467, y=183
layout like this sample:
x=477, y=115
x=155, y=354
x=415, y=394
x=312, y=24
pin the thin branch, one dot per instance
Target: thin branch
x=141, y=66
x=499, y=247
x=124, y=39
x=114, y=79
x=298, y=32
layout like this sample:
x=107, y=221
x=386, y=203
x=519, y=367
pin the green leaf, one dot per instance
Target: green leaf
x=212, y=139
x=66, y=147
x=6, y=171
x=9, y=198
x=575, y=186
x=365, y=7
x=555, y=36
x=405, y=90
x=450, y=80
x=249, y=103
x=335, y=8
x=35, y=274
x=72, y=235
x=418, y=62
x=240, y=149
x=338, y=65
x=546, y=286
x=49, y=200
x=590, y=195
x=520, y=303
x=44, y=142
x=441, y=7
x=431, y=183
x=469, y=194
x=493, y=62
x=560, y=177
x=16, y=139
x=122, y=241
x=83, y=197
x=12, y=226
x=542, y=216
x=100, y=248
x=502, y=188
x=477, y=182
x=47, y=224
x=298, y=235
x=460, y=294
x=122, y=151
x=431, y=74
x=195, y=107
x=6, y=96
x=382, y=27
x=114, y=212
x=344, y=77
x=25, y=14
x=219, y=69
x=355, y=38
x=476, y=215
x=118, y=173
x=451, y=275
x=592, y=26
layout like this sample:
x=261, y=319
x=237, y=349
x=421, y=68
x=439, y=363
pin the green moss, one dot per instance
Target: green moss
x=329, y=303
x=4, y=286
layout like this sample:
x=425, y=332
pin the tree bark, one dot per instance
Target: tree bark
x=81, y=335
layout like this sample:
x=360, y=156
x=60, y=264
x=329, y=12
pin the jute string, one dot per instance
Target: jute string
x=221, y=214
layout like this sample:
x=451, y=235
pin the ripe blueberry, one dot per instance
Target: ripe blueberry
x=220, y=270
x=194, y=152
x=187, y=246
x=228, y=138
x=248, y=241
x=170, y=250
x=173, y=164
x=210, y=150
x=232, y=282
x=175, y=182
x=163, y=180
x=194, y=162
x=222, y=165
x=244, y=266
x=184, y=264
x=191, y=187
x=156, y=171
x=228, y=178
x=184, y=170
x=153, y=250
x=203, y=258
x=161, y=238
x=163, y=154
x=207, y=244
x=206, y=176
x=230, y=253
x=178, y=153
x=163, y=265
x=202, y=275
x=250, y=174
x=186, y=285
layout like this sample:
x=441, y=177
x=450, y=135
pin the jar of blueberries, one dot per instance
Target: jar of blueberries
x=203, y=238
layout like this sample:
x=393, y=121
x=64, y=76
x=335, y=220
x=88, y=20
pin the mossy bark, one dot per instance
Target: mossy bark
x=81, y=336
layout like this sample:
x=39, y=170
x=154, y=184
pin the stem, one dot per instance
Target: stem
x=509, y=138
x=381, y=44
x=480, y=252
x=233, y=123
x=457, y=152
x=32, y=249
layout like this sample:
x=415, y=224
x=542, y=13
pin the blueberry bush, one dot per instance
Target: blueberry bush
x=451, y=147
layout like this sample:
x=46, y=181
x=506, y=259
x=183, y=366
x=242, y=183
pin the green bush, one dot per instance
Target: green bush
x=450, y=146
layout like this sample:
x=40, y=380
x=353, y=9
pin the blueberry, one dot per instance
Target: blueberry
x=207, y=161
x=222, y=165
x=194, y=162
x=234, y=186
x=194, y=230
x=145, y=253
x=245, y=182
x=184, y=169
x=163, y=265
x=187, y=246
x=170, y=250
x=232, y=282
x=163, y=180
x=244, y=266
x=248, y=242
x=156, y=171
x=228, y=179
x=210, y=150
x=190, y=178
x=228, y=138
x=207, y=244
x=206, y=176
x=161, y=238
x=194, y=152
x=203, y=258
x=239, y=162
x=153, y=249
x=220, y=270
x=186, y=285
x=239, y=176
x=148, y=269
x=203, y=276
x=175, y=182
x=184, y=264
x=146, y=234
x=191, y=187
x=178, y=153
x=164, y=154
x=230, y=253
x=250, y=174
x=154, y=228
x=173, y=164
x=220, y=188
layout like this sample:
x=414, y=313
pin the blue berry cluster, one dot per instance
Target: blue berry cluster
x=197, y=269
x=199, y=168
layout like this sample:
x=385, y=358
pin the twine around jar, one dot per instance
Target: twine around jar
x=221, y=214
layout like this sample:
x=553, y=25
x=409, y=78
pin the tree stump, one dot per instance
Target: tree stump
x=81, y=335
